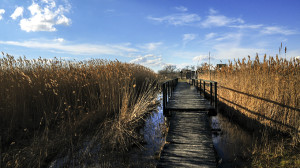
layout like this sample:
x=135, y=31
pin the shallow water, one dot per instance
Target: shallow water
x=153, y=130
x=232, y=143
x=145, y=156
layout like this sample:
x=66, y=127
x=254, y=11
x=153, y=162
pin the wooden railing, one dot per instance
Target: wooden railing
x=168, y=88
x=211, y=93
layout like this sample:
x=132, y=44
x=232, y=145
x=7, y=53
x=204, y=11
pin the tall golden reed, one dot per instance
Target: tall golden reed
x=49, y=105
x=267, y=91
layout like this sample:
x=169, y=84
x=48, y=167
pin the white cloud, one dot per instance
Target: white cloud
x=63, y=20
x=177, y=19
x=220, y=20
x=277, y=30
x=151, y=46
x=45, y=15
x=202, y=58
x=212, y=11
x=230, y=36
x=210, y=36
x=245, y=26
x=2, y=11
x=148, y=60
x=59, y=40
x=57, y=45
x=181, y=8
x=18, y=12
x=189, y=37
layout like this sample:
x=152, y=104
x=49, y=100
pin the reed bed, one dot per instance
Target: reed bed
x=266, y=91
x=48, y=106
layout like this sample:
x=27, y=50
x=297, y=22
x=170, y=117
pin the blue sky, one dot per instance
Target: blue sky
x=153, y=33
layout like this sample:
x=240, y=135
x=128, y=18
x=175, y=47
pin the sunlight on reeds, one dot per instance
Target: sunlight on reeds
x=49, y=105
x=267, y=91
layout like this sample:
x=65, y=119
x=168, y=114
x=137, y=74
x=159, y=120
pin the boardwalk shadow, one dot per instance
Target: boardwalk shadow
x=248, y=123
x=261, y=98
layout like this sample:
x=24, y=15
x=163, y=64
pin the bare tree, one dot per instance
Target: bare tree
x=169, y=71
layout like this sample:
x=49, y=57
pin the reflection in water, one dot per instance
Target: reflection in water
x=232, y=143
x=153, y=130
x=154, y=136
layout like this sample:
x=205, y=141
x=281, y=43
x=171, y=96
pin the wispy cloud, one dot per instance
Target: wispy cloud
x=247, y=26
x=277, y=30
x=181, y=8
x=177, y=19
x=216, y=20
x=59, y=45
x=2, y=11
x=149, y=60
x=110, y=11
x=45, y=15
x=203, y=58
x=210, y=36
x=188, y=37
x=151, y=46
x=18, y=12
x=220, y=20
x=212, y=11
x=230, y=36
x=59, y=40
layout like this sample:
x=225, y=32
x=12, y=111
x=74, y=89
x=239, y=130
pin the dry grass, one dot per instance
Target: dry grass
x=266, y=91
x=47, y=107
x=275, y=151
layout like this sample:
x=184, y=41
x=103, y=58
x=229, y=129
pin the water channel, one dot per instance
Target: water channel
x=231, y=142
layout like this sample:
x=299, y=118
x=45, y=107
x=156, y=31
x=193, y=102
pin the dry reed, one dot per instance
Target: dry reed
x=266, y=91
x=47, y=106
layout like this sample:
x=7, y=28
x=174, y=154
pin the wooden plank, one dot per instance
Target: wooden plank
x=185, y=96
x=189, y=142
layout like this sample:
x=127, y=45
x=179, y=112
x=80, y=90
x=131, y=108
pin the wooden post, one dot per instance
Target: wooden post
x=169, y=88
x=171, y=82
x=204, y=88
x=200, y=87
x=168, y=92
x=216, y=94
x=164, y=98
x=211, y=99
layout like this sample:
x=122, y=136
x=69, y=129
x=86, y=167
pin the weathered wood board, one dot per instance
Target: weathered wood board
x=189, y=140
x=186, y=97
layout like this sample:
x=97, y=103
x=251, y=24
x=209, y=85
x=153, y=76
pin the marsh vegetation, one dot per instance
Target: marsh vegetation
x=54, y=108
x=263, y=96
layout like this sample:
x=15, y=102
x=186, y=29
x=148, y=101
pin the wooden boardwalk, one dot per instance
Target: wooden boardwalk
x=189, y=140
x=186, y=98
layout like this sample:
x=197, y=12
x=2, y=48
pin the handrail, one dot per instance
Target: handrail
x=168, y=88
x=200, y=84
x=207, y=80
